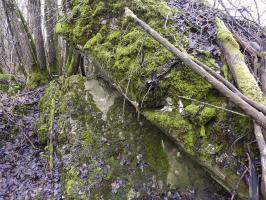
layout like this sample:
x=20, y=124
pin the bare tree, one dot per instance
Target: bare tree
x=23, y=43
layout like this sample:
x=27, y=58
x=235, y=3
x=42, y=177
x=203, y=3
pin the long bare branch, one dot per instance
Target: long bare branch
x=247, y=108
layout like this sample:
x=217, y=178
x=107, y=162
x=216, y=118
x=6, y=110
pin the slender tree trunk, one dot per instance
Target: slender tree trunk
x=21, y=37
x=25, y=46
x=34, y=8
x=12, y=31
x=51, y=37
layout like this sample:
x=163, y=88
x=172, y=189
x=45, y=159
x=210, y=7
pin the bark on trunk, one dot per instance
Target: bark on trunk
x=34, y=7
x=51, y=37
x=21, y=37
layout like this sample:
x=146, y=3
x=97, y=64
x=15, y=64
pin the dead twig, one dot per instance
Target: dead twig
x=262, y=149
x=238, y=183
x=211, y=105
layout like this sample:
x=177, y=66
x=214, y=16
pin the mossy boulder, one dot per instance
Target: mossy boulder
x=130, y=59
x=109, y=157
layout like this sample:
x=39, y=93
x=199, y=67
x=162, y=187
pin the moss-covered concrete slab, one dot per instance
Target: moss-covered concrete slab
x=130, y=59
x=106, y=156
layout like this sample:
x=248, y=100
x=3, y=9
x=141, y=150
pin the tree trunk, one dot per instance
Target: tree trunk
x=21, y=37
x=51, y=37
x=34, y=8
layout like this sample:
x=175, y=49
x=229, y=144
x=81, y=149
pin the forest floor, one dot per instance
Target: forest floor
x=23, y=163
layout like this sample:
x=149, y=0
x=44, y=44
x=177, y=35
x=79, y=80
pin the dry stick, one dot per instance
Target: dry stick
x=261, y=144
x=238, y=183
x=211, y=105
x=248, y=109
x=262, y=149
x=234, y=20
x=231, y=87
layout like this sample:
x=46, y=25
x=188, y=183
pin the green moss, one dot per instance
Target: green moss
x=51, y=125
x=80, y=132
x=207, y=114
x=60, y=28
x=37, y=77
x=129, y=58
x=224, y=35
x=178, y=127
x=94, y=41
x=207, y=58
x=187, y=83
x=9, y=84
x=6, y=77
x=71, y=64
x=100, y=8
x=72, y=182
x=119, y=46
x=60, y=90
x=226, y=72
x=246, y=81
x=159, y=161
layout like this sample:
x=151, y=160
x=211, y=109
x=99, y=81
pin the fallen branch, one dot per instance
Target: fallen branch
x=236, y=60
x=251, y=51
x=232, y=87
x=263, y=65
x=247, y=84
x=238, y=183
x=262, y=149
x=248, y=109
x=51, y=124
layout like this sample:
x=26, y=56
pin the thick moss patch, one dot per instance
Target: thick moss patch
x=99, y=155
x=37, y=77
x=127, y=54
